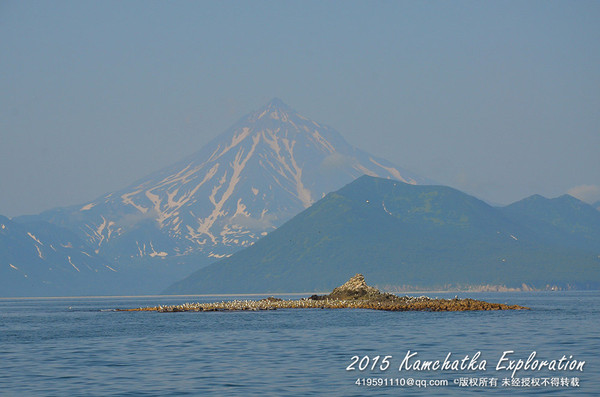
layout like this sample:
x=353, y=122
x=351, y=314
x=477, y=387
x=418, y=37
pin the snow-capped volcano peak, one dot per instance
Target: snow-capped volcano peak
x=277, y=104
x=276, y=109
x=266, y=168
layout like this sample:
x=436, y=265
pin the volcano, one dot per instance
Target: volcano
x=266, y=168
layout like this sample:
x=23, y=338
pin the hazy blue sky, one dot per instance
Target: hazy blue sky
x=500, y=99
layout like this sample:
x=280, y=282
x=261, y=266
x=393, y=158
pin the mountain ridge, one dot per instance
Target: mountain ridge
x=562, y=220
x=400, y=234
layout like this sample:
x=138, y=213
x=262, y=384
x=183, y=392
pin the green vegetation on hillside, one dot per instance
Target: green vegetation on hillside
x=402, y=235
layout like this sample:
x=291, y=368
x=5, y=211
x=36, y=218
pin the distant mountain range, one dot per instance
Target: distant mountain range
x=412, y=237
x=39, y=259
x=266, y=168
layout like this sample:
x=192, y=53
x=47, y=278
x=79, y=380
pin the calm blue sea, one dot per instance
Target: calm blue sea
x=79, y=346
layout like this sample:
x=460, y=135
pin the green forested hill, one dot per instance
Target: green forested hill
x=564, y=220
x=404, y=235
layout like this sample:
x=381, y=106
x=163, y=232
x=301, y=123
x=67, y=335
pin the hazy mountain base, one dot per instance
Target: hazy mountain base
x=477, y=288
x=42, y=259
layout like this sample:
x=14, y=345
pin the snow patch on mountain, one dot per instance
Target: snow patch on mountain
x=87, y=207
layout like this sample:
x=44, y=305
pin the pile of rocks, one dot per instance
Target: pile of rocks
x=357, y=289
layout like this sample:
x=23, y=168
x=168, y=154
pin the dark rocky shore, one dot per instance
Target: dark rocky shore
x=355, y=294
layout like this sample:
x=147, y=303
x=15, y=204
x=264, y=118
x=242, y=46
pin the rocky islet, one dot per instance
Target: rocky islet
x=354, y=294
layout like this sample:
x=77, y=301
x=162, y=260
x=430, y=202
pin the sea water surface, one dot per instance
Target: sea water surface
x=81, y=346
